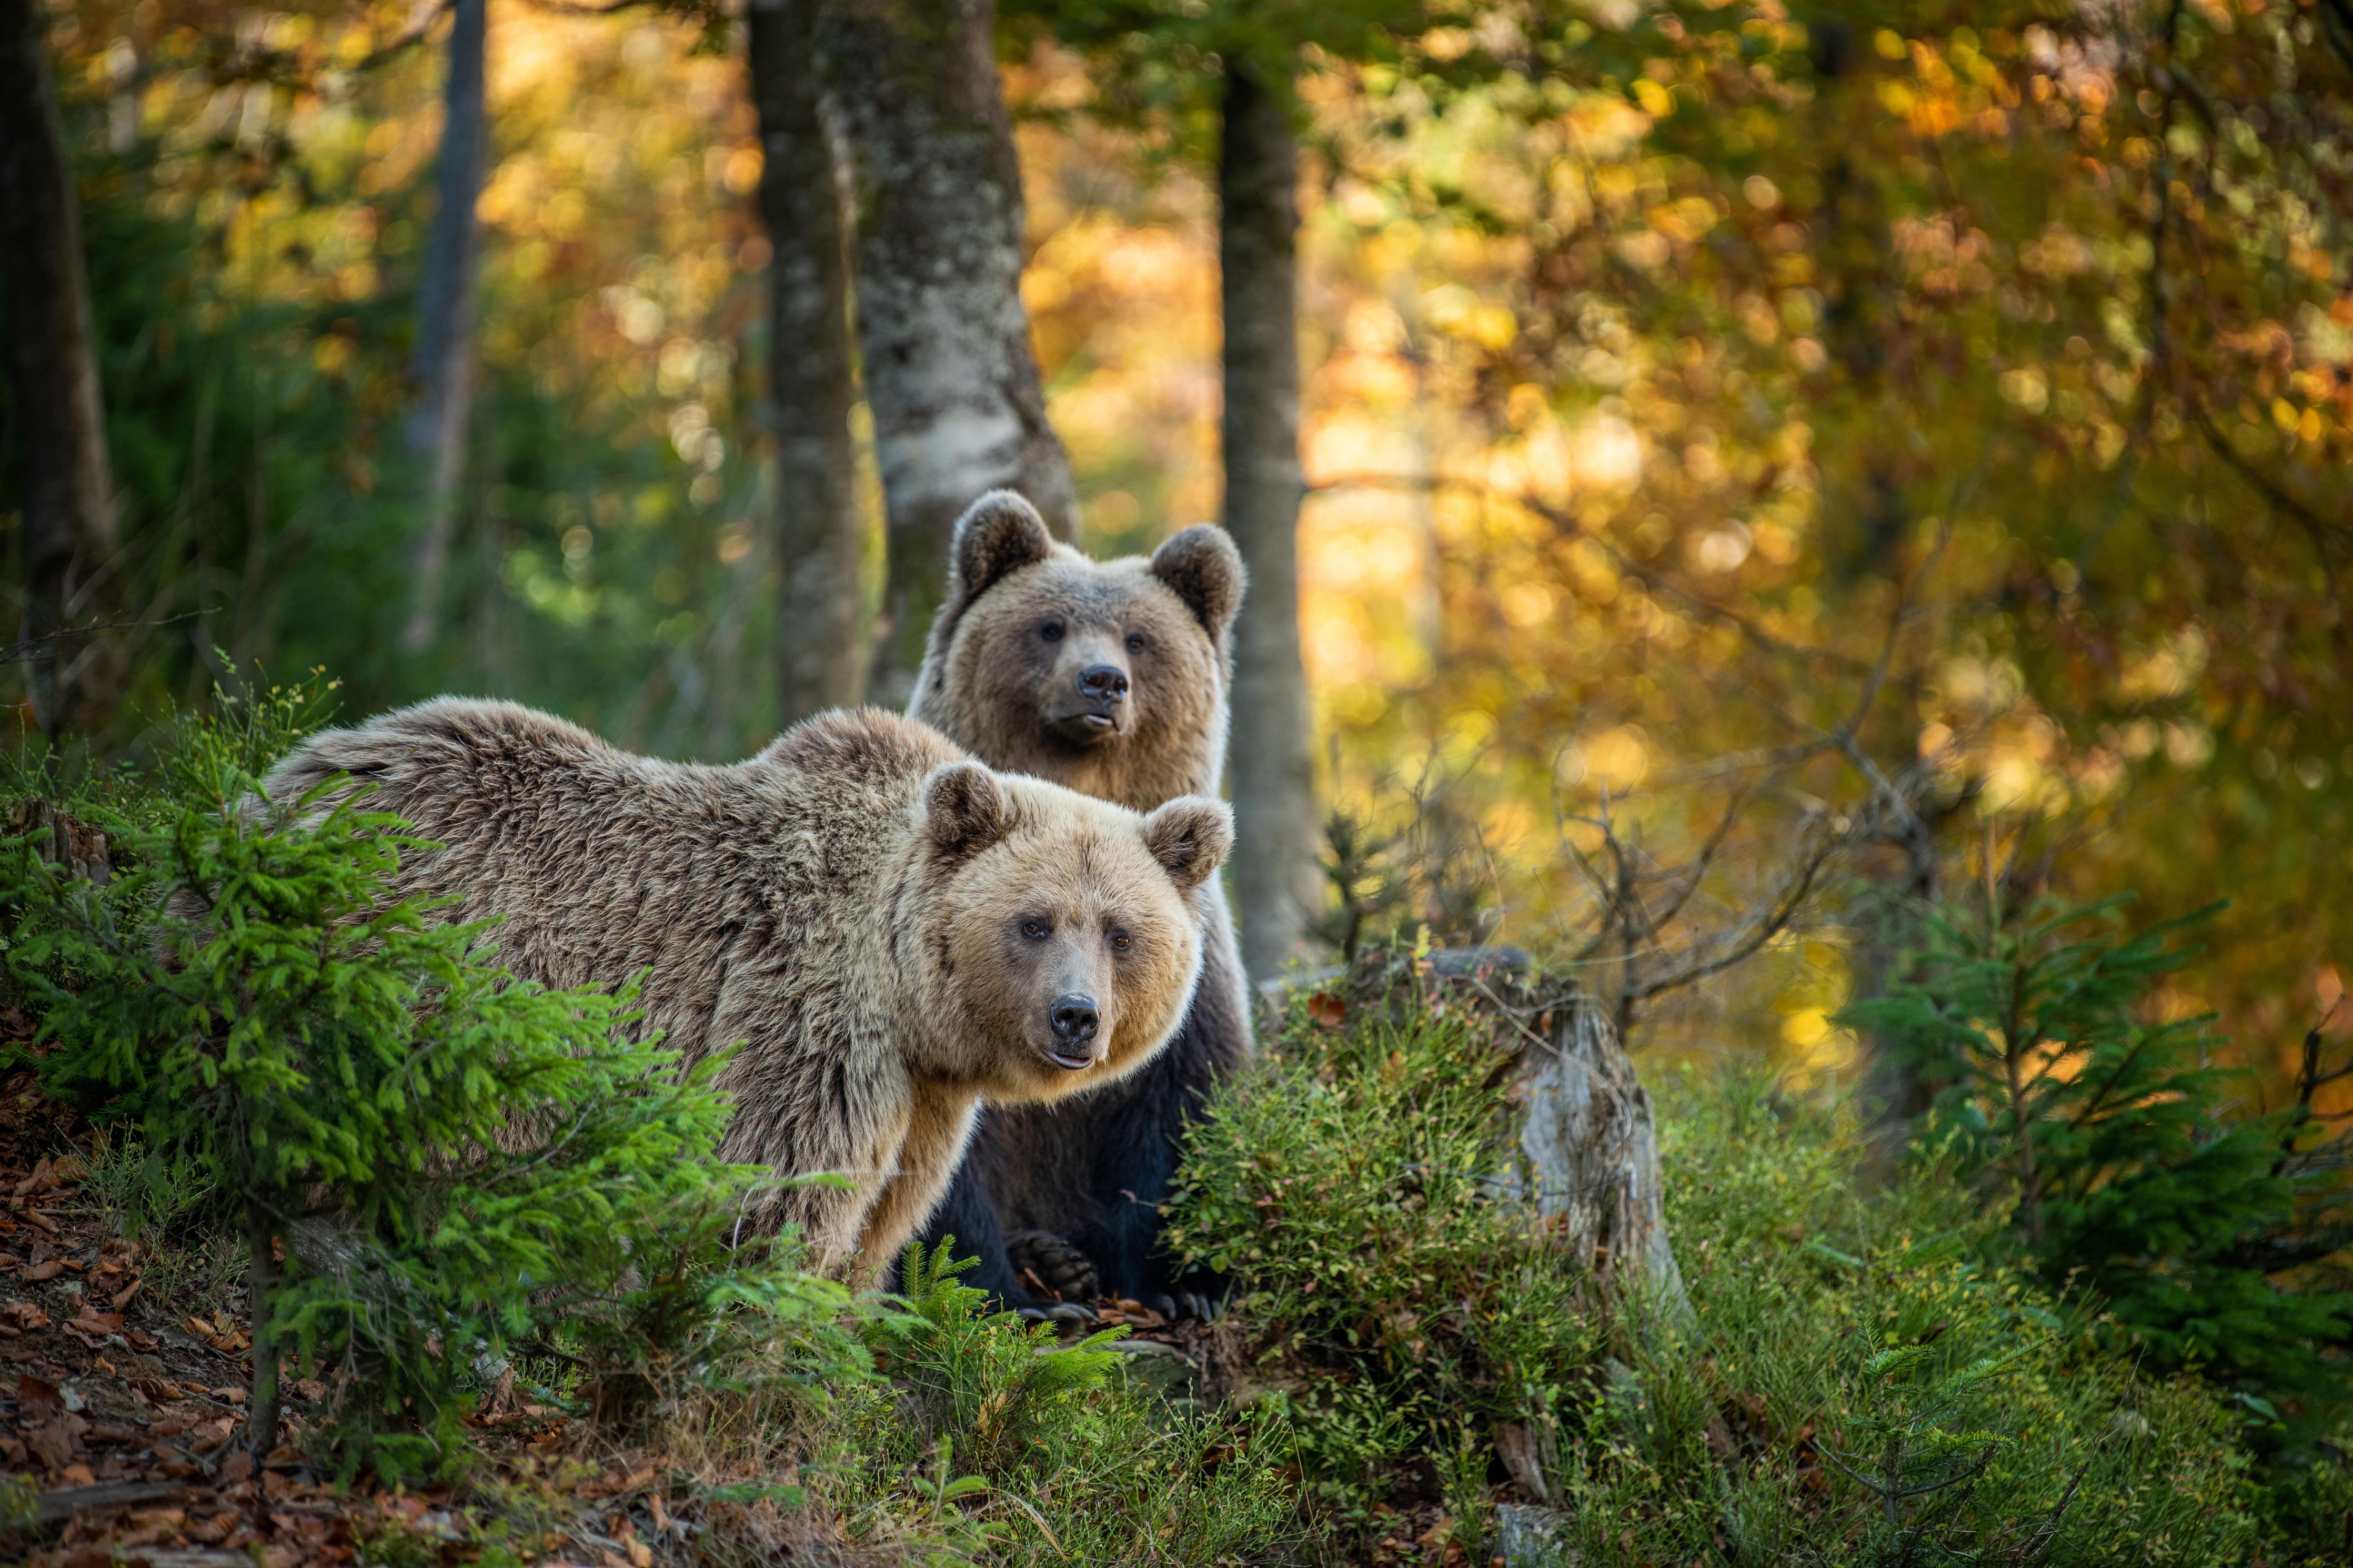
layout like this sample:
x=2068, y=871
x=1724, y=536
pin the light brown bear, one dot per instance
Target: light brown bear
x=1108, y=676
x=896, y=931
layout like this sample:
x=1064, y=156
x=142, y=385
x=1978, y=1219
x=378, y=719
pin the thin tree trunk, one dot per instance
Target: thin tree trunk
x=70, y=529
x=444, y=362
x=261, y=1286
x=950, y=377
x=820, y=537
x=1275, y=876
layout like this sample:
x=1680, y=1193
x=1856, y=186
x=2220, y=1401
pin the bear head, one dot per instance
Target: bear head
x=1060, y=928
x=1108, y=676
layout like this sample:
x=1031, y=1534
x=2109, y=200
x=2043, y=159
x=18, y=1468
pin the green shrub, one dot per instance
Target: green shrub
x=990, y=1439
x=1858, y=1388
x=1355, y=1188
x=1854, y=1386
x=450, y=1164
x=2120, y=1156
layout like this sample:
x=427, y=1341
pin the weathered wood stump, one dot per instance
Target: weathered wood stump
x=1581, y=1127
x=75, y=847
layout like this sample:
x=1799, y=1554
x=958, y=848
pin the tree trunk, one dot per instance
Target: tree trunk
x=1275, y=874
x=444, y=362
x=821, y=538
x=261, y=1287
x=950, y=377
x=69, y=529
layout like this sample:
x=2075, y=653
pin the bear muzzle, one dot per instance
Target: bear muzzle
x=1094, y=707
x=1074, y=1020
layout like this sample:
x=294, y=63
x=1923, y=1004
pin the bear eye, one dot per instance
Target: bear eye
x=1119, y=939
x=1036, y=929
x=1051, y=631
x=1137, y=642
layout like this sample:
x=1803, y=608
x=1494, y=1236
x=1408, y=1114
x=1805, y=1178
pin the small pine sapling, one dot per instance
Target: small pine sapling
x=2118, y=1146
x=432, y=1163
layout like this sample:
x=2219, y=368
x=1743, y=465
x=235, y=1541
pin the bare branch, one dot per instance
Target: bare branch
x=32, y=648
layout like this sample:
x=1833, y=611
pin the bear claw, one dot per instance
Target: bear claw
x=1052, y=1265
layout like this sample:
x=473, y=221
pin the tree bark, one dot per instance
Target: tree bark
x=443, y=359
x=1275, y=873
x=950, y=377
x=261, y=1288
x=68, y=500
x=820, y=537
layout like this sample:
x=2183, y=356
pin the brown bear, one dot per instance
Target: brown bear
x=1108, y=676
x=895, y=930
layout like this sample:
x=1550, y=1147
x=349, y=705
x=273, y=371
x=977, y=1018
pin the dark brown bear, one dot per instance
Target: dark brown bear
x=1108, y=676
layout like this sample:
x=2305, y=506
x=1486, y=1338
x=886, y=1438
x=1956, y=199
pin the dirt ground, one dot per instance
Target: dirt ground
x=123, y=1417
x=123, y=1430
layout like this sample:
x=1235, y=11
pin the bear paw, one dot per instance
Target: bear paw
x=1051, y=1266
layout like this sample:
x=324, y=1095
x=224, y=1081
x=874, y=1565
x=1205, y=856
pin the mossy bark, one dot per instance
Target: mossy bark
x=820, y=537
x=1276, y=883
x=950, y=375
x=443, y=365
x=52, y=363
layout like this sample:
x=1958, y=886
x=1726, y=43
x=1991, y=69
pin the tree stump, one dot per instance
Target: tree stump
x=75, y=847
x=1582, y=1139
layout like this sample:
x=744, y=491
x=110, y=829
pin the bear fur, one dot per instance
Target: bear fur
x=896, y=931
x=1108, y=676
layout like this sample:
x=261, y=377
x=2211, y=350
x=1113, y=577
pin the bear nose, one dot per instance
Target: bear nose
x=1075, y=1019
x=1102, y=682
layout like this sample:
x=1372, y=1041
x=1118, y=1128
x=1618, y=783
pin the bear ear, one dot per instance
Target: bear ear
x=1202, y=567
x=965, y=809
x=998, y=534
x=1190, y=836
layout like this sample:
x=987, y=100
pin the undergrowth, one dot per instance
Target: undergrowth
x=1860, y=1380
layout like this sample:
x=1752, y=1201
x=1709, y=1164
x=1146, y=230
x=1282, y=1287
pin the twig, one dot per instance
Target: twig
x=2319, y=528
x=421, y=17
x=30, y=647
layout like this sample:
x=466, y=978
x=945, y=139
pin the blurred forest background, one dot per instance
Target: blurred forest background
x=1760, y=469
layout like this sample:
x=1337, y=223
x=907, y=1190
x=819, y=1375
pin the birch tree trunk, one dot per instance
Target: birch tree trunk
x=821, y=624
x=444, y=359
x=1275, y=873
x=950, y=377
x=68, y=500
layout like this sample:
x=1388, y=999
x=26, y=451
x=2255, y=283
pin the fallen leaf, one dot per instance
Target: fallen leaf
x=1327, y=1009
x=43, y=1221
x=50, y=1445
x=24, y=1315
x=198, y=1326
x=237, y=1467
x=41, y=1271
x=122, y=1298
x=39, y=1394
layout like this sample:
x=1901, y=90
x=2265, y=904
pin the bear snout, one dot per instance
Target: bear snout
x=1074, y=1020
x=1104, y=683
x=1089, y=696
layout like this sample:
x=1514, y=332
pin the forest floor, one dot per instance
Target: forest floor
x=124, y=1370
